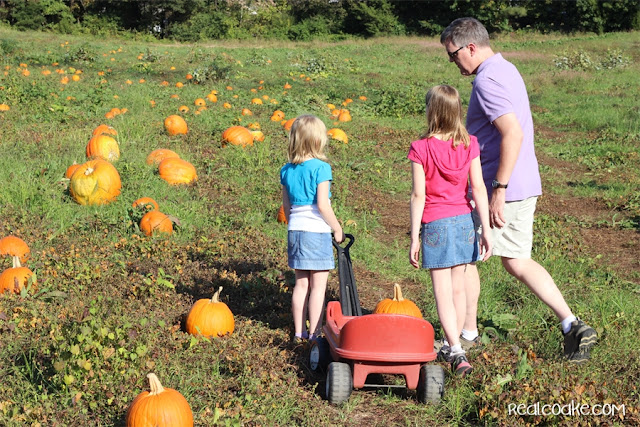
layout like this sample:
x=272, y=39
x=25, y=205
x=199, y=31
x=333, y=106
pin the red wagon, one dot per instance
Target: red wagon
x=356, y=345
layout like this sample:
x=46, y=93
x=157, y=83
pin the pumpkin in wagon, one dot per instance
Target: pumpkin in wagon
x=159, y=407
x=398, y=305
x=210, y=317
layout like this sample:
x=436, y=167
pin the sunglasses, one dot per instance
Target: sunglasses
x=453, y=54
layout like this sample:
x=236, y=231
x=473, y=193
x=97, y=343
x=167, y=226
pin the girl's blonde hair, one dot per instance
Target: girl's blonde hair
x=444, y=115
x=308, y=138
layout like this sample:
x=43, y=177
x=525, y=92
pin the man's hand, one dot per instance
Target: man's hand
x=496, y=208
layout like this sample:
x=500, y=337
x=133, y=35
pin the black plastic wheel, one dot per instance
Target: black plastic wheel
x=339, y=383
x=319, y=355
x=430, y=384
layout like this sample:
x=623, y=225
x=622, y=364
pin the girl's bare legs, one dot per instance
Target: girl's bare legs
x=459, y=296
x=299, y=301
x=318, y=286
x=447, y=313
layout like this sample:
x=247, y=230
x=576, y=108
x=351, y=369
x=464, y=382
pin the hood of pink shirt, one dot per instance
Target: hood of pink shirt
x=455, y=167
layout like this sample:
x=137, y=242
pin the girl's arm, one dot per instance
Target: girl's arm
x=479, y=192
x=286, y=204
x=324, y=206
x=417, y=209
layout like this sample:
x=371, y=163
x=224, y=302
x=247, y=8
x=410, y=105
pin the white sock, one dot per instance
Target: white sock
x=566, y=323
x=469, y=335
x=457, y=349
x=445, y=342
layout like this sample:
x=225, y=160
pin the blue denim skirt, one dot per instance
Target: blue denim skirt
x=310, y=251
x=448, y=242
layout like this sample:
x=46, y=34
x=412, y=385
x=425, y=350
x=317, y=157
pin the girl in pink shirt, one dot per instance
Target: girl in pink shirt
x=443, y=164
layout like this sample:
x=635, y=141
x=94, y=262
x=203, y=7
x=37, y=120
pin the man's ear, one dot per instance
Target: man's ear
x=473, y=49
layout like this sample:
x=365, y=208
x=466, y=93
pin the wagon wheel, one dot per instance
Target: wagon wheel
x=319, y=355
x=430, y=384
x=339, y=383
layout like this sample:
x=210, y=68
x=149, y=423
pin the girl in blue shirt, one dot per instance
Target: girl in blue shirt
x=306, y=192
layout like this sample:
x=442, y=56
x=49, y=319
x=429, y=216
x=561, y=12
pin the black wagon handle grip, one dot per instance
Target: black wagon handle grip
x=349, y=243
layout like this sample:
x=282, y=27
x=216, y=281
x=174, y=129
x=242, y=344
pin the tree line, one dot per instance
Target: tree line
x=195, y=20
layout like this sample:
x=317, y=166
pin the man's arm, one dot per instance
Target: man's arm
x=512, y=136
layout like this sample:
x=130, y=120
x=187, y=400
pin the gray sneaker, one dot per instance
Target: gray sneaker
x=444, y=354
x=469, y=344
x=578, y=341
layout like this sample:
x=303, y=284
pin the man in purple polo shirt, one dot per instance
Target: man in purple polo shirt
x=500, y=117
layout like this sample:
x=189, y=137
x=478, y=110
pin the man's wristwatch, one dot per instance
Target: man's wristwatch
x=496, y=184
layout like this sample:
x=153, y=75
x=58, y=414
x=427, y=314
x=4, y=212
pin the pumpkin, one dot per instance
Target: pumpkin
x=156, y=221
x=145, y=203
x=175, y=125
x=256, y=101
x=281, y=216
x=161, y=407
x=71, y=169
x=277, y=116
x=344, y=116
x=95, y=182
x=177, y=171
x=104, y=147
x=156, y=156
x=237, y=135
x=15, y=247
x=4, y=107
x=183, y=109
x=210, y=317
x=14, y=279
x=246, y=112
x=257, y=135
x=199, y=102
x=212, y=97
x=338, y=134
x=398, y=305
x=287, y=86
x=226, y=105
x=104, y=129
x=287, y=125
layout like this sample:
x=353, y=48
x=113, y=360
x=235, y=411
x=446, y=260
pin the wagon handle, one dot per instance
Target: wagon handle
x=346, y=248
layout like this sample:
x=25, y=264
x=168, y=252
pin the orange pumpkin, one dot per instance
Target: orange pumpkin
x=237, y=135
x=14, y=279
x=277, y=116
x=287, y=125
x=175, y=125
x=256, y=101
x=212, y=97
x=146, y=203
x=156, y=221
x=15, y=247
x=177, y=171
x=96, y=182
x=156, y=156
x=398, y=305
x=161, y=407
x=199, y=102
x=338, y=134
x=104, y=147
x=282, y=218
x=344, y=116
x=246, y=112
x=104, y=129
x=210, y=317
x=71, y=169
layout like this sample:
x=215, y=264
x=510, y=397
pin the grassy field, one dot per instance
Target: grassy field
x=110, y=303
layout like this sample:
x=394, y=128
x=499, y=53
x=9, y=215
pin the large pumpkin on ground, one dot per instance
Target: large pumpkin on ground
x=175, y=125
x=95, y=182
x=159, y=407
x=14, y=247
x=398, y=305
x=156, y=221
x=237, y=135
x=210, y=317
x=177, y=171
x=104, y=147
x=156, y=156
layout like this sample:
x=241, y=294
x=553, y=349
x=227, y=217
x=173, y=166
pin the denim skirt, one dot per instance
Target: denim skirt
x=310, y=251
x=448, y=242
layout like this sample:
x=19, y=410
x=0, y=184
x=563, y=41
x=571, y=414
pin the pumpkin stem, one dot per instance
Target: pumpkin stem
x=16, y=261
x=397, y=293
x=154, y=384
x=215, y=299
x=88, y=171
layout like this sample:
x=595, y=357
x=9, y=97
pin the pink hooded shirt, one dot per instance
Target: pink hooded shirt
x=446, y=176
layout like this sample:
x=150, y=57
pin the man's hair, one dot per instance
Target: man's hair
x=463, y=31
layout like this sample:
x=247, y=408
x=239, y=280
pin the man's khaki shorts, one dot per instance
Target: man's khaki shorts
x=515, y=238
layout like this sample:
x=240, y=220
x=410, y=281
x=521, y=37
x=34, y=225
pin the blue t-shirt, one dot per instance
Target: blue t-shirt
x=301, y=180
